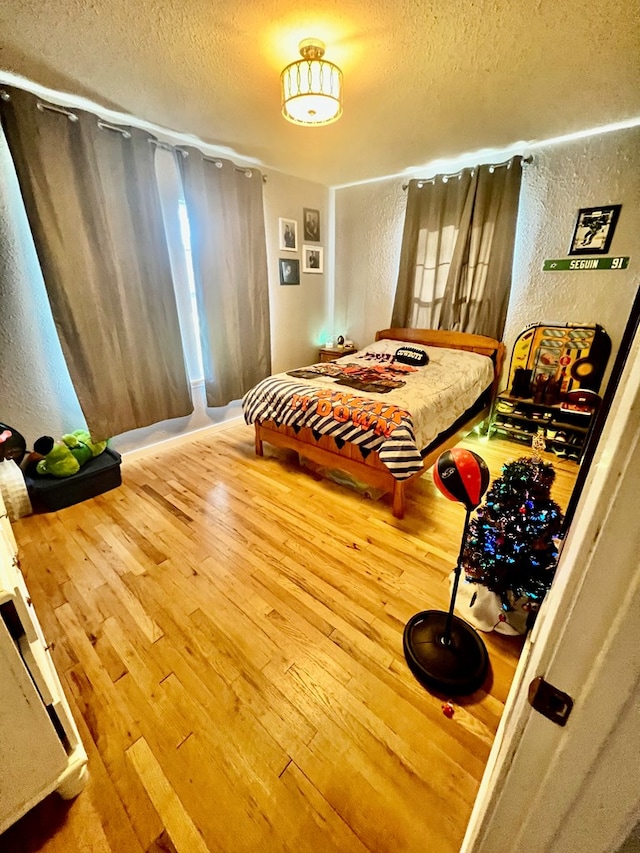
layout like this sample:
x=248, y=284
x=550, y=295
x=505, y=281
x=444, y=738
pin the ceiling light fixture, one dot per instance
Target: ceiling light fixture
x=311, y=87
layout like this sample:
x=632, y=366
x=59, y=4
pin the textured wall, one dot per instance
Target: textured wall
x=602, y=169
x=36, y=395
x=369, y=221
x=632, y=844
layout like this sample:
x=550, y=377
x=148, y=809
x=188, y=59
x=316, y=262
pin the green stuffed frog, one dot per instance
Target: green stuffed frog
x=65, y=458
x=80, y=444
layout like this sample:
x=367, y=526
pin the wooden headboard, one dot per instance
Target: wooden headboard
x=452, y=340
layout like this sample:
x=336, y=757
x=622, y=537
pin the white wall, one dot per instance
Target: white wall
x=299, y=313
x=369, y=221
x=602, y=169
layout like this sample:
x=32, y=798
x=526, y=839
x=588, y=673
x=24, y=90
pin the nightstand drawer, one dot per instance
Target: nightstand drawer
x=332, y=353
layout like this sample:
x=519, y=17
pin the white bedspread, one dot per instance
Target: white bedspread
x=436, y=395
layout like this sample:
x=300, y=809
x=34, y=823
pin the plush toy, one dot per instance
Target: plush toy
x=79, y=437
x=65, y=458
x=42, y=446
x=79, y=450
x=59, y=461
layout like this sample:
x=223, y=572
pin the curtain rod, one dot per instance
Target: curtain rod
x=219, y=164
x=445, y=178
x=103, y=125
x=166, y=146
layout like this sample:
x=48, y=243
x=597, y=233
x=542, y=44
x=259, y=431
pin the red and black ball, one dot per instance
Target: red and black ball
x=462, y=476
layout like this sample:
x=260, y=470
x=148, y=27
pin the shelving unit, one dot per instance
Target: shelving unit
x=565, y=432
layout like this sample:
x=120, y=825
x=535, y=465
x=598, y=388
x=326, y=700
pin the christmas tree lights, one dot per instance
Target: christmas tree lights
x=510, y=545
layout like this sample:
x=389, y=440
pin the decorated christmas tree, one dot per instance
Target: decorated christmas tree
x=510, y=545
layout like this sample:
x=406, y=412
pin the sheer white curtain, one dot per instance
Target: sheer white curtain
x=457, y=251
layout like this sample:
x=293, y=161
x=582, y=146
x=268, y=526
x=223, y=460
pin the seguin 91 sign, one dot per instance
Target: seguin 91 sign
x=553, y=264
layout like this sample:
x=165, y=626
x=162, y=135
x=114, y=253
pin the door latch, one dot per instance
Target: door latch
x=549, y=701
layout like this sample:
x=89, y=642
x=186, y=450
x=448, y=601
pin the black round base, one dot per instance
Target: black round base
x=456, y=668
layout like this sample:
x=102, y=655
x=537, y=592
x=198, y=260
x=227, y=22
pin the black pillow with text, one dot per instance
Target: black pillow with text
x=411, y=355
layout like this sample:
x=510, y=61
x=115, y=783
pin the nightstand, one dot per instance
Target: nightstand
x=332, y=353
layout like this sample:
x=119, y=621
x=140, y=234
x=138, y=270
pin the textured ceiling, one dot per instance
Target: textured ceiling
x=423, y=80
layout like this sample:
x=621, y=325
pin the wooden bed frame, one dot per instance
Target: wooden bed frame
x=371, y=470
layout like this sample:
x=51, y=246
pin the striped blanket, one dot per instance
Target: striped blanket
x=370, y=424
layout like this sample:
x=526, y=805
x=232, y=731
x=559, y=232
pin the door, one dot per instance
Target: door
x=563, y=789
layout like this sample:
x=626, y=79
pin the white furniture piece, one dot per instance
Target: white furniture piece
x=13, y=490
x=40, y=748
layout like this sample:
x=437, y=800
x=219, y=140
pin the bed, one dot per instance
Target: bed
x=377, y=414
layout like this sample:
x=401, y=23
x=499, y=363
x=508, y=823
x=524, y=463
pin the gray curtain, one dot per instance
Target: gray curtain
x=457, y=251
x=93, y=208
x=226, y=220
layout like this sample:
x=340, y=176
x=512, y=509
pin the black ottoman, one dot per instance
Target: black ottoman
x=96, y=476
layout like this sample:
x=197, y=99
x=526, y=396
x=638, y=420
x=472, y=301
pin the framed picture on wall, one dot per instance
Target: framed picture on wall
x=289, y=270
x=594, y=230
x=311, y=224
x=288, y=232
x=312, y=259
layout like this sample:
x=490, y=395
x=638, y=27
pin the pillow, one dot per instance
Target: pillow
x=411, y=355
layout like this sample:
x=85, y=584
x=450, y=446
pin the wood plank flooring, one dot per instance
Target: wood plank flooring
x=228, y=630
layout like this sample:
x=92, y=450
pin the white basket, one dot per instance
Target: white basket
x=14, y=490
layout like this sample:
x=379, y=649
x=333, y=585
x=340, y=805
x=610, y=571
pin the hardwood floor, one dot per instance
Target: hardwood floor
x=229, y=633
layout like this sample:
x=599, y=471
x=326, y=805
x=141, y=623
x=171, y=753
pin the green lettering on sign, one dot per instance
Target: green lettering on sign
x=585, y=264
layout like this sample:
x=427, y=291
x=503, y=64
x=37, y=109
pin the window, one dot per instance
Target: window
x=185, y=237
